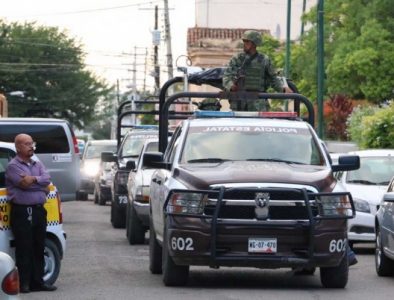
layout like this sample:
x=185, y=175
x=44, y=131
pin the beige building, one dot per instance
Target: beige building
x=3, y=106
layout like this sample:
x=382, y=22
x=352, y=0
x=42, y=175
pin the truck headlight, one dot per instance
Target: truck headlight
x=336, y=204
x=361, y=205
x=187, y=203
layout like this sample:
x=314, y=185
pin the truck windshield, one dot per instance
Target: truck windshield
x=289, y=146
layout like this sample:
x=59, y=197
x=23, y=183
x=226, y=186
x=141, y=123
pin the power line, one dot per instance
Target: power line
x=91, y=10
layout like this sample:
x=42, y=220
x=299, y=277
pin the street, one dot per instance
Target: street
x=100, y=264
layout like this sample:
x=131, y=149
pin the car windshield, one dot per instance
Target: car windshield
x=133, y=144
x=288, y=145
x=94, y=151
x=373, y=171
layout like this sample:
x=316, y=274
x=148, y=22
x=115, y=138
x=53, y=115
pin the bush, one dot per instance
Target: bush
x=372, y=127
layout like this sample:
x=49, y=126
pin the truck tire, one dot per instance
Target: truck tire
x=96, y=196
x=173, y=275
x=52, y=262
x=335, y=277
x=383, y=265
x=135, y=231
x=101, y=199
x=117, y=218
x=155, y=251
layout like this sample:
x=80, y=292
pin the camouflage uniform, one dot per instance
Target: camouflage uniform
x=258, y=73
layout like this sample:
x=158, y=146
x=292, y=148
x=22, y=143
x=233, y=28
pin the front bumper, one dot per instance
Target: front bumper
x=362, y=228
x=221, y=236
x=295, y=248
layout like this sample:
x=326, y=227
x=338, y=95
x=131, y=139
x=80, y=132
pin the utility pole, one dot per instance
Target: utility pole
x=320, y=65
x=134, y=94
x=302, y=22
x=287, y=61
x=156, y=43
x=168, y=40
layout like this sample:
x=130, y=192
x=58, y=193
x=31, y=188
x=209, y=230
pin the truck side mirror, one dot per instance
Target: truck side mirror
x=154, y=160
x=347, y=163
x=108, y=157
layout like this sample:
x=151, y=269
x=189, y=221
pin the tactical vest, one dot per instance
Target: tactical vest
x=254, y=75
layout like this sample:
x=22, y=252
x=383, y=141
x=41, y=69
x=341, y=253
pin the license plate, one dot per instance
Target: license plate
x=262, y=245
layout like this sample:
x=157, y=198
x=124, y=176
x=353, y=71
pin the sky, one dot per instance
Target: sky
x=111, y=31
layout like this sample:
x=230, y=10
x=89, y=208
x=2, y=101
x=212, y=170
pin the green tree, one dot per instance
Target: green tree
x=359, y=46
x=48, y=66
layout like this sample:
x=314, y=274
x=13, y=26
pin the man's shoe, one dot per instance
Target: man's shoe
x=24, y=289
x=44, y=287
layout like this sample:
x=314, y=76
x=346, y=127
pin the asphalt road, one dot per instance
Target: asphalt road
x=100, y=264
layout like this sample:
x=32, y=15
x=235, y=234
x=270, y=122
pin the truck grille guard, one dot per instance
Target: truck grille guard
x=310, y=199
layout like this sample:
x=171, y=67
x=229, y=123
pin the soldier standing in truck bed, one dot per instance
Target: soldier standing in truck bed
x=251, y=71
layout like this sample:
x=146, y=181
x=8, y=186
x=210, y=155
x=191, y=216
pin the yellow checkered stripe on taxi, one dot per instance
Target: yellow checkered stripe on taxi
x=52, y=207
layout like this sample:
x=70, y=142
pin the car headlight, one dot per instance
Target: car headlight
x=91, y=170
x=361, y=205
x=187, y=202
x=334, y=204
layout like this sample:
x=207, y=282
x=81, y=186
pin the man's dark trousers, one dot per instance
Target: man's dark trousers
x=29, y=237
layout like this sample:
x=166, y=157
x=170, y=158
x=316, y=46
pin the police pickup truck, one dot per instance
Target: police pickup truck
x=247, y=189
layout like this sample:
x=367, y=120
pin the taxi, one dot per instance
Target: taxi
x=55, y=242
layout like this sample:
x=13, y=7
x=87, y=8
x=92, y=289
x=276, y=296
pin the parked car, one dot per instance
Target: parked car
x=367, y=186
x=137, y=210
x=90, y=165
x=55, y=241
x=57, y=148
x=9, y=277
x=129, y=151
x=384, y=224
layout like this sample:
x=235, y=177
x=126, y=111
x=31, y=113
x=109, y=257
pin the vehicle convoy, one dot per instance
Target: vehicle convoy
x=384, y=224
x=130, y=139
x=247, y=189
x=55, y=241
x=137, y=210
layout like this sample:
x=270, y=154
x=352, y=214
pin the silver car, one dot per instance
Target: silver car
x=384, y=220
x=9, y=278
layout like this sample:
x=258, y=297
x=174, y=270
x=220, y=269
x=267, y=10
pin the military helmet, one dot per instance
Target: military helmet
x=254, y=36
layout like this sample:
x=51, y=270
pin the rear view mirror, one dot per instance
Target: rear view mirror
x=388, y=197
x=108, y=157
x=154, y=160
x=130, y=165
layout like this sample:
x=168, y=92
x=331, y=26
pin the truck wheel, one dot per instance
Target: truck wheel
x=81, y=196
x=335, y=277
x=95, y=196
x=52, y=262
x=117, y=218
x=135, y=231
x=384, y=266
x=155, y=251
x=173, y=275
x=101, y=199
